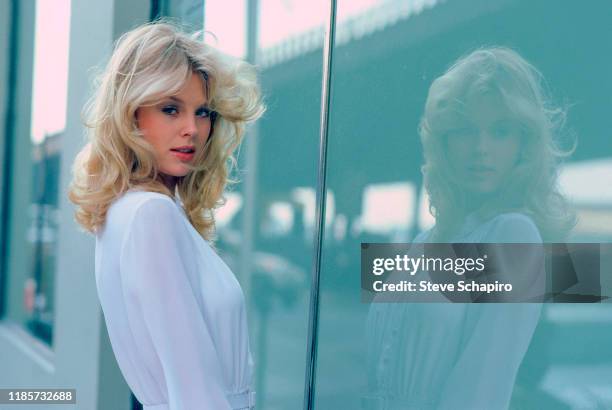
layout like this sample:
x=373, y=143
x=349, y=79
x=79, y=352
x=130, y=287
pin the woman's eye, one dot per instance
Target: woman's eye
x=502, y=130
x=203, y=112
x=170, y=110
x=460, y=132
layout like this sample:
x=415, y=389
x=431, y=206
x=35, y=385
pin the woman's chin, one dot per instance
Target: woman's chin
x=478, y=195
x=481, y=188
x=176, y=172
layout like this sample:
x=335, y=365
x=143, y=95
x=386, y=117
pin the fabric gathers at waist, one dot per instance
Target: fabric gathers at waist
x=395, y=402
x=162, y=406
x=242, y=401
x=238, y=401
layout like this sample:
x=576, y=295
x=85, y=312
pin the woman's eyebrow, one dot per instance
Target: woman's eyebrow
x=178, y=100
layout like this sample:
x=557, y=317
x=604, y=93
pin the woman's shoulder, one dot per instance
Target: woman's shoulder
x=509, y=227
x=423, y=237
x=133, y=199
x=137, y=204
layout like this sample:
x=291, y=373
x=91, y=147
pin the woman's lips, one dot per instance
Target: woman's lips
x=183, y=156
x=481, y=171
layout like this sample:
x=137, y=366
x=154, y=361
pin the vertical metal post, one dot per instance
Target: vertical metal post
x=12, y=61
x=311, y=353
x=249, y=221
x=251, y=150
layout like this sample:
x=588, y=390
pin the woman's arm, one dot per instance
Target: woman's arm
x=483, y=377
x=516, y=255
x=498, y=334
x=156, y=258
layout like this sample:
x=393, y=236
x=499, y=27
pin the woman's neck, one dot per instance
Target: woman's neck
x=169, y=181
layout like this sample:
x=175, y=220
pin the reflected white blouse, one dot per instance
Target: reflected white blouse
x=174, y=311
x=454, y=355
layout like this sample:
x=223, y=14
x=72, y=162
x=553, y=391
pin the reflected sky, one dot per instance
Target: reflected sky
x=50, y=82
x=227, y=21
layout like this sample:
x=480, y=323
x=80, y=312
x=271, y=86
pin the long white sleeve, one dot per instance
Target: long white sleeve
x=498, y=334
x=157, y=266
x=483, y=376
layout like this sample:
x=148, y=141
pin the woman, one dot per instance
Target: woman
x=164, y=121
x=490, y=145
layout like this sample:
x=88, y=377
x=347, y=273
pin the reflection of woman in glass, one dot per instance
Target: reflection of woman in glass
x=165, y=119
x=488, y=134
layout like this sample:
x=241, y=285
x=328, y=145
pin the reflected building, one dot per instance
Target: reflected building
x=385, y=56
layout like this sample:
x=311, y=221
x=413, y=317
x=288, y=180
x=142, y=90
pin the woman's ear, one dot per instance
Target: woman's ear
x=521, y=156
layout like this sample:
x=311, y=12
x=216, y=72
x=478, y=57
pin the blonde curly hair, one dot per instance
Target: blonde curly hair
x=532, y=188
x=150, y=63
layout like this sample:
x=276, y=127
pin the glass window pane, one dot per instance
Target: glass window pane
x=265, y=229
x=36, y=166
x=275, y=224
x=188, y=12
x=486, y=118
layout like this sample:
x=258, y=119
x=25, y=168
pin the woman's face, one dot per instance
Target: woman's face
x=181, y=121
x=484, y=146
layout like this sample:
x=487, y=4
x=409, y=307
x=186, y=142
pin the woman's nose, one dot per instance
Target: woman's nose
x=482, y=143
x=189, y=127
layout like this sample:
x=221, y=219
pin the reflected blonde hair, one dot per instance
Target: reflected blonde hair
x=532, y=187
x=150, y=63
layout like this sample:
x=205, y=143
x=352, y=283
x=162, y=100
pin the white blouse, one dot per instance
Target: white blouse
x=454, y=355
x=174, y=311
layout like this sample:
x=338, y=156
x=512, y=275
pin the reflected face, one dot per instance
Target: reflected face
x=177, y=127
x=484, y=146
